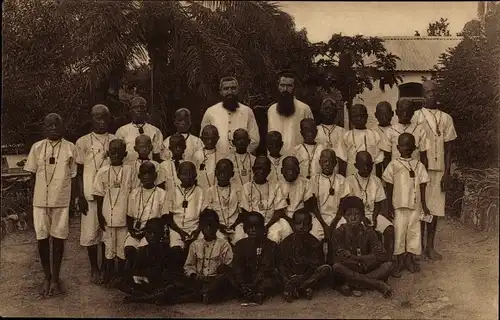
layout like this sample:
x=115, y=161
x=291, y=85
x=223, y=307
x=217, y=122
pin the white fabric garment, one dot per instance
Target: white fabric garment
x=407, y=232
x=329, y=204
x=370, y=190
x=92, y=154
x=114, y=242
x=276, y=165
x=53, y=180
x=228, y=122
x=114, y=183
x=389, y=142
x=169, y=174
x=224, y=201
x=289, y=127
x=193, y=197
x=193, y=145
x=53, y=222
x=308, y=156
x=130, y=131
x=440, y=129
x=434, y=196
x=296, y=193
x=90, y=231
x=263, y=198
x=332, y=137
x=362, y=140
x=406, y=191
x=242, y=167
x=204, y=257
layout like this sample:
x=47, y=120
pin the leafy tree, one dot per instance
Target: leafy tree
x=439, y=28
x=353, y=64
x=470, y=92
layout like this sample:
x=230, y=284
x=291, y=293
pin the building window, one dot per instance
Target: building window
x=410, y=89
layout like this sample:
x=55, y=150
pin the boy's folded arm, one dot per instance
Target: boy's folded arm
x=277, y=215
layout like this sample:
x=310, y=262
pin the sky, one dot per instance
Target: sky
x=376, y=18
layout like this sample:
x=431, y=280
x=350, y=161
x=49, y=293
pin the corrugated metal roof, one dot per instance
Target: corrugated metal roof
x=418, y=53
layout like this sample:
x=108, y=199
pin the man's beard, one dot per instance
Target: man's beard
x=286, y=106
x=230, y=102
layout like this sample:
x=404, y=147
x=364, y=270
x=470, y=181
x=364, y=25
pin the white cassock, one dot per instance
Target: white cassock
x=407, y=203
x=130, y=131
x=227, y=122
x=289, y=127
x=440, y=129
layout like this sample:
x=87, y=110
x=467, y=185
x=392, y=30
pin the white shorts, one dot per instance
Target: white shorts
x=90, y=231
x=407, y=231
x=114, y=240
x=382, y=223
x=176, y=240
x=234, y=237
x=53, y=222
x=434, y=196
x=133, y=242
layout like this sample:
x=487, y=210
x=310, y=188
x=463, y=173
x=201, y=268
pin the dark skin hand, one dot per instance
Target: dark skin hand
x=239, y=219
x=423, y=159
x=387, y=158
x=82, y=202
x=172, y=225
x=100, y=217
x=137, y=234
x=390, y=207
x=379, y=169
x=446, y=180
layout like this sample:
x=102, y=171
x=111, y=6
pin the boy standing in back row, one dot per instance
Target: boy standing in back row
x=440, y=133
x=52, y=165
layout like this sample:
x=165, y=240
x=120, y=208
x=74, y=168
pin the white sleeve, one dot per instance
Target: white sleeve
x=253, y=131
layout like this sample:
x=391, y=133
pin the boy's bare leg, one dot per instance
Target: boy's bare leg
x=102, y=269
x=362, y=279
x=422, y=233
x=320, y=273
x=431, y=234
x=44, y=251
x=94, y=267
x=57, y=255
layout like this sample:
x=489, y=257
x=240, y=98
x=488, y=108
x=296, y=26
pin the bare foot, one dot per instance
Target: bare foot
x=433, y=255
x=45, y=288
x=55, y=289
x=95, y=277
x=413, y=267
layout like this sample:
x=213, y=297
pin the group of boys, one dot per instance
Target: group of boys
x=180, y=221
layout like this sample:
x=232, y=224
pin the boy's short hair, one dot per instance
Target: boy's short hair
x=253, y=214
x=118, y=143
x=146, y=167
x=360, y=106
x=208, y=217
x=291, y=158
x=406, y=136
x=276, y=134
x=225, y=161
x=176, y=138
x=155, y=225
x=382, y=104
x=305, y=121
x=352, y=202
x=303, y=211
x=143, y=136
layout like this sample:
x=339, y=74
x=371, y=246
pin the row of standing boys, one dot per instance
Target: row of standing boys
x=180, y=221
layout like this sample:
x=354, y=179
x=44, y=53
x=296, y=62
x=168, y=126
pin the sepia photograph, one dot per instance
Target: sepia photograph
x=250, y=159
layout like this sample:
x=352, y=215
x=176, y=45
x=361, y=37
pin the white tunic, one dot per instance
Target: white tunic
x=186, y=205
x=242, y=167
x=53, y=180
x=362, y=140
x=328, y=204
x=389, y=141
x=276, y=165
x=92, y=154
x=370, y=190
x=440, y=129
x=406, y=191
x=308, y=156
x=332, y=137
x=228, y=122
x=130, y=131
x=296, y=193
x=263, y=198
x=136, y=182
x=289, y=127
x=224, y=201
x=146, y=204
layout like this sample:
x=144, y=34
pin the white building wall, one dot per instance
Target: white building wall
x=371, y=98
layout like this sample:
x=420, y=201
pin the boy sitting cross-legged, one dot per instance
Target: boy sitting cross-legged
x=255, y=262
x=357, y=255
x=301, y=262
x=266, y=198
x=223, y=198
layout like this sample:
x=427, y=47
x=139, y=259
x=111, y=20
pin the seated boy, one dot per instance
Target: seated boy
x=329, y=134
x=329, y=188
x=308, y=152
x=207, y=267
x=267, y=199
x=359, y=257
x=182, y=123
x=208, y=156
x=53, y=169
x=301, y=264
x=145, y=202
x=185, y=202
x=255, y=262
x=112, y=186
x=369, y=188
x=297, y=190
x=242, y=159
x=223, y=198
x=143, y=147
x=274, y=143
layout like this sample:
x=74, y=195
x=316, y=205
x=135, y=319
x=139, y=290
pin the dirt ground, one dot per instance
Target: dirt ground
x=463, y=286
